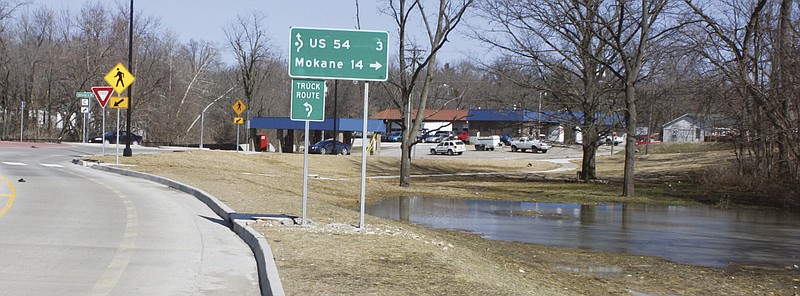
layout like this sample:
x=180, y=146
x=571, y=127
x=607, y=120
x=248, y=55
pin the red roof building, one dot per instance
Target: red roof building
x=430, y=115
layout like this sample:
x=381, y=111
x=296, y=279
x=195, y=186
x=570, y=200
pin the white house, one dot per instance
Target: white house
x=685, y=128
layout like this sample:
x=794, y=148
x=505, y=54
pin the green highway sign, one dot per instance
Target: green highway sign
x=308, y=100
x=84, y=94
x=338, y=54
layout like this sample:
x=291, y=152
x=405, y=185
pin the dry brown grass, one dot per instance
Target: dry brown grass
x=330, y=257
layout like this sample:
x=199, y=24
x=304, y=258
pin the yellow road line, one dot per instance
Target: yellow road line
x=10, y=196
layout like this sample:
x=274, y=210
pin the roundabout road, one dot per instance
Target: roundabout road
x=70, y=230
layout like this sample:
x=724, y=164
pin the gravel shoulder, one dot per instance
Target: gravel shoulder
x=330, y=256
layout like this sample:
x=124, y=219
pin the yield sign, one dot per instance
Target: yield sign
x=102, y=93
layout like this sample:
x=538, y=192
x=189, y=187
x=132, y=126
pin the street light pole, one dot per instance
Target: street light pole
x=203, y=120
x=21, y=120
x=202, y=123
x=128, y=151
x=539, y=118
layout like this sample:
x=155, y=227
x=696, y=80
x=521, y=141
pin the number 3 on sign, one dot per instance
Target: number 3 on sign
x=380, y=45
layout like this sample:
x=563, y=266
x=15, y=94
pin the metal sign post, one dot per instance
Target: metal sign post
x=103, y=94
x=84, y=96
x=83, y=138
x=103, y=132
x=361, y=224
x=238, y=108
x=308, y=104
x=335, y=54
x=118, y=103
x=117, y=142
x=305, y=176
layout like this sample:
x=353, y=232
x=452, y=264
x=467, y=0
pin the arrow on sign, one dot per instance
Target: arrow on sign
x=102, y=93
x=309, y=108
x=299, y=42
x=375, y=65
x=116, y=104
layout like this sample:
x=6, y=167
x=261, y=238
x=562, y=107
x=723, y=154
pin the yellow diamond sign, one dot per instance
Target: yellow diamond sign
x=119, y=78
x=239, y=107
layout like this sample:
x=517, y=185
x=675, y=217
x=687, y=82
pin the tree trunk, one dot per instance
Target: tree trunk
x=405, y=163
x=588, y=163
x=630, y=138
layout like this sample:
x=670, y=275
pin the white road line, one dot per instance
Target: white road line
x=13, y=163
x=51, y=165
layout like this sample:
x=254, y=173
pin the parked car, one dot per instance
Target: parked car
x=395, y=136
x=449, y=147
x=327, y=147
x=438, y=136
x=422, y=134
x=642, y=140
x=506, y=140
x=462, y=135
x=524, y=144
x=111, y=138
x=613, y=139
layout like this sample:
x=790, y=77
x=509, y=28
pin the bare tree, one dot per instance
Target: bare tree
x=633, y=29
x=253, y=49
x=419, y=68
x=753, y=46
x=555, y=47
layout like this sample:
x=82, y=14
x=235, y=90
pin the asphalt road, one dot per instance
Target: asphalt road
x=71, y=230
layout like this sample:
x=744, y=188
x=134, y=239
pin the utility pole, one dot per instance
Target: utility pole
x=127, y=151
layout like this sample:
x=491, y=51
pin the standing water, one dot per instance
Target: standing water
x=693, y=235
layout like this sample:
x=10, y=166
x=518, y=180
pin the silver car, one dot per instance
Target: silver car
x=449, y=147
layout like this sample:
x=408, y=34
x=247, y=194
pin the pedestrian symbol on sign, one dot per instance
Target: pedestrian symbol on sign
x=119, y=77
x=239, y=107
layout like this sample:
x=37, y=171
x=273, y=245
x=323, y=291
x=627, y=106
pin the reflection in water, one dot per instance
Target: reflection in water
x=694, y=235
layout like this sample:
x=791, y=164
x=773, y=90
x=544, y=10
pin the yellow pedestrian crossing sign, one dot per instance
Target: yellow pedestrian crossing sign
x=238, y=120
x=239, y=107
x=119, y=78
x=118, y=102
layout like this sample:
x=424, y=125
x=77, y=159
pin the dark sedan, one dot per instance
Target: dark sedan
x=111, y=138
x=328, y=147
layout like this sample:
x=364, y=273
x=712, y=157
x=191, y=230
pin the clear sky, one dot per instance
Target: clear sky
x=205, y=19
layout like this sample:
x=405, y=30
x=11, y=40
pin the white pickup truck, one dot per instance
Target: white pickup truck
x=523, y=144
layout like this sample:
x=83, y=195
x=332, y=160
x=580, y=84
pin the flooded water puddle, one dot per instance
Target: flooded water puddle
x=694, y=235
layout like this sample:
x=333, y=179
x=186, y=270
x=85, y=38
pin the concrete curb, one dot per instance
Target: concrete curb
x=268, y=279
